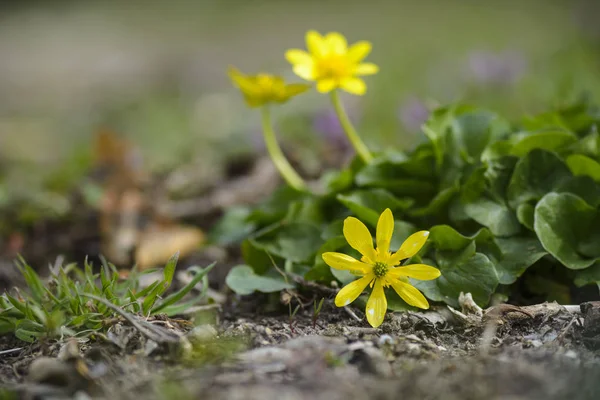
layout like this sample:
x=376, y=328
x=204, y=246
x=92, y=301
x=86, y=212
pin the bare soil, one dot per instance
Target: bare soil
x=535, y=352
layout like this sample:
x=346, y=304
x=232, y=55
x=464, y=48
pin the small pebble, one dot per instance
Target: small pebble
x=385, y=340
x=571, y=354
x=203, y=332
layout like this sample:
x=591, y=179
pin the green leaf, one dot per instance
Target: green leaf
x=498, y=175
x=320, y=271
x=583, y=165
x=233, y=227
x=21, y=306
x=275, y=208
x=308, y=210
x=552, y=139
x=337, y=181
x=297, y=242
x=148, y=289
x=7, y=325
x=343, y=276
x=474, y=186
x=437, y=204
x=333, y=230
x=475, y=275
x=177, y=309
x=563, y=223
x=588, y=276
x=476, y=128
x=368, y=205
x=169, y=270
x=29, y=331
x=450, y=246
x=26, y=335
x=497, y=217
x=536, y=174
x=151, y=298
x=255, y=257
x=525, y=215
x=582, y=186
x=446, y=238
x=35, y=284
x=436, y=129
x=242, y=280
x=386, y=169
x=589, y=145
x=178, y=295
x=402, y=230
x=518, y=254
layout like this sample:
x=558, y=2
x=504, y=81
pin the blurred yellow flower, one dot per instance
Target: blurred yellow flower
x=262, y=89
x=379, y=267
x=331, y=63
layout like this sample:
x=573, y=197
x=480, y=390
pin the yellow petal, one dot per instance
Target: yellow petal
x=385, y=228
x=244, y=82
x=326, y=85
x=410, y=247
x=354, y=85
x=347, y=263
x=377, y=305
x=235, y=74
x=315, y=43
x=359, y=50
x=293, y=90
x=366, y=69
x=305, y=71
x=336, y=43
x=351, y=291
x=359, y=238
x=410, y=294
x=296, y=56
x=418, y=271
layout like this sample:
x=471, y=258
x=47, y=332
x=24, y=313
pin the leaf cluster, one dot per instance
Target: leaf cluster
x=498, y=197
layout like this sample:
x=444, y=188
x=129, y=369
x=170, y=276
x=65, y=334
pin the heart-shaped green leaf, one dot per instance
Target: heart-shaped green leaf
x=242, y=280
x=564, y=224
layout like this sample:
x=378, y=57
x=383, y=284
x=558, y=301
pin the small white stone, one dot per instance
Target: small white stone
x=385, y=340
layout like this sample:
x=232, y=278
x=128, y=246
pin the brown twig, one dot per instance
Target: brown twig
x=352, y=314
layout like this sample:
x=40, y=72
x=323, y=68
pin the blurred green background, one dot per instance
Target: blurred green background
x=156, y=72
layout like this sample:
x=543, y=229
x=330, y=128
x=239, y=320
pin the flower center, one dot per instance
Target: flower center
x=333, y=66
x=380, y=269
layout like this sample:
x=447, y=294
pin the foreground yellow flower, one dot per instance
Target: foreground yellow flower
x=262, y=89
x=331, y=63
x=379, y=267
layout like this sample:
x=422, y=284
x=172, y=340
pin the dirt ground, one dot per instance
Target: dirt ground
x=534, y=352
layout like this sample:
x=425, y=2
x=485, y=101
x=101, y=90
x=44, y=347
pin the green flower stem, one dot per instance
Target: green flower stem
x=351, y=133
x=283, y=166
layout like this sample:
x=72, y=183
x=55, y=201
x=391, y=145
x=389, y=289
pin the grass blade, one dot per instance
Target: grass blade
x=175, y=297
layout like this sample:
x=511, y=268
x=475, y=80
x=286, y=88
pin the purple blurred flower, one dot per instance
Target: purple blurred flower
x=490, y=68
x=328, y=124
x=413, y=113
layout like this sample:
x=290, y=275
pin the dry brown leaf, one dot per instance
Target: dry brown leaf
x=157, y=245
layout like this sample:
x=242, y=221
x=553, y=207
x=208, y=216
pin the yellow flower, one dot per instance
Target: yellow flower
x=379, y=267
x=331, y=63
x=262, y=89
